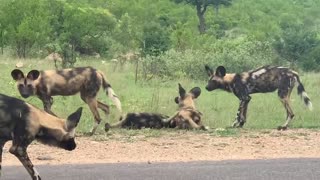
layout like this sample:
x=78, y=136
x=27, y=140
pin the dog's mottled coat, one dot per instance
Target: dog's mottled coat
x=262, y=80
x=66, y=82
x=141, y=120
x=187, y=116
x=22, y=123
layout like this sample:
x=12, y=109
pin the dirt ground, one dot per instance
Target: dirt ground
x=183, y=146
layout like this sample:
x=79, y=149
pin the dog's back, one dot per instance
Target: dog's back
x=268, y=78
x=141, y=120
x=12, y=112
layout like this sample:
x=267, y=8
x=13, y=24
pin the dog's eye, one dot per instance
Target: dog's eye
x=29, y=86
x=20, y=86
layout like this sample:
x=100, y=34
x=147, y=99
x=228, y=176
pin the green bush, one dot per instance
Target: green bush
x=236, y=56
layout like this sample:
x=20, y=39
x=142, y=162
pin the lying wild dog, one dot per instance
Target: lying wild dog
x=22, y=123
x=141, y=120
x=85, y=80
x=262, y=80
x=187, y=116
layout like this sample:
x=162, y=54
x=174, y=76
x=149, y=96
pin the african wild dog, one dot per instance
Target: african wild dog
x=262, y=80
x=22, y=123
x=141, y=120
x=85, y=80
x=187, y=116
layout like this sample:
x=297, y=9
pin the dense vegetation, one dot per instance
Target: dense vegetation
x=174, y=37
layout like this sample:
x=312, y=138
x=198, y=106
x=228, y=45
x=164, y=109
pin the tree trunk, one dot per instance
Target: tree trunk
x=136, y=73
x=2, y=41
x=200, y=13
x=18, y=49
x=216, y=10
x=72, y=52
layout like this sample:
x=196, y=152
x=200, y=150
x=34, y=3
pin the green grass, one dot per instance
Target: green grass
x=219, y=108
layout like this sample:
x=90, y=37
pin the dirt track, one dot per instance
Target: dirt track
x=178, y=147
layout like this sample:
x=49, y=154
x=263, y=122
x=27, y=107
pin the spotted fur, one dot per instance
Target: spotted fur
x=187, y=116
x=66, y=82
x=141, y=120
x=22, y=123
x=262, y=80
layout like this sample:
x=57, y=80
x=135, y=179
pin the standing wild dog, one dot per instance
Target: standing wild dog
x=141, y=120
x=262, y=80
x=22, y=123
x=187, y=116
x=66, y=82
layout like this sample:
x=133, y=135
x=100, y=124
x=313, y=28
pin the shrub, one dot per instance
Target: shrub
x=236, y=56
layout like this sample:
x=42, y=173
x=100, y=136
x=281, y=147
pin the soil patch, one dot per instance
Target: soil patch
x=183, y=146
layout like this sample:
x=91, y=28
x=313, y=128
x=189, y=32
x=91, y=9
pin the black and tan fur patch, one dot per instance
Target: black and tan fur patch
x=141, y=120
x=262, y=80
x=187, y=116
x=84, y=80
x=22, y=123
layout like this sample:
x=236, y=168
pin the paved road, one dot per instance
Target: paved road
x=280, y=169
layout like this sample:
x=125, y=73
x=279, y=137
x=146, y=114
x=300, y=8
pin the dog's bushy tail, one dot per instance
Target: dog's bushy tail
x=303, y=94
x=111, y=94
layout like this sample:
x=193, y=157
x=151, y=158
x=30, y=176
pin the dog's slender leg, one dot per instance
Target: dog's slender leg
x=21, y=153
x=1, y=149
x=93, y=105
x=242, y=112
x=47, y=103
x=170, y=118
x=123, y=120
x=290, y=115
x=105, y=108
x=169, y=122
x=242, y=92
x=244, y=108
x=240, y=120
x=191, y=122
x=284, y=93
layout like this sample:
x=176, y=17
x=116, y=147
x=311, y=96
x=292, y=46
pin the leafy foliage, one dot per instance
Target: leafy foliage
x=238, y=34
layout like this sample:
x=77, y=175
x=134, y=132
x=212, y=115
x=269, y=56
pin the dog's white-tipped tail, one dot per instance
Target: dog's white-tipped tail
x=304, y=96
x=306, y=100
x=114, y=98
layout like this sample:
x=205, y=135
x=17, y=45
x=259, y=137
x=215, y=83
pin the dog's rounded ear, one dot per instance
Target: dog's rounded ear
x=221, y=71
x=182, y=92
x=176, y=100
x=209, y=70
x=17, y=74
x=196, y=91
x=33, y=74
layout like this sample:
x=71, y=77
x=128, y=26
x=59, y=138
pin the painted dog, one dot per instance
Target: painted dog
x=66, y=82
x=262, y=80
x=22, y=123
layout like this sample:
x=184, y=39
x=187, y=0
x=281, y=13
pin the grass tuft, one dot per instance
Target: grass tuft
x=219, y=108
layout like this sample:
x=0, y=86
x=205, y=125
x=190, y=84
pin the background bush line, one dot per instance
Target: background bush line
x=240, y=34
x=157, y=95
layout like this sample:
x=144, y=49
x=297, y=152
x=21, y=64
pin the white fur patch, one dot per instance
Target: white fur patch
x=36, y=174
x=309, y=104
x=114, y=98
x=258, y=73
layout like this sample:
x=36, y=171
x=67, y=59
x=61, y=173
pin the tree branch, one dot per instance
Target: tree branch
x=204, y=8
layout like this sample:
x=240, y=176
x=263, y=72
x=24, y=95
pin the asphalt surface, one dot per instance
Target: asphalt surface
x=278, y=169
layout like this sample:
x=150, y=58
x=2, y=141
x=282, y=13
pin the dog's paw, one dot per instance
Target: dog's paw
x=107, y=127
x=205, y=128
x=282, y=128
